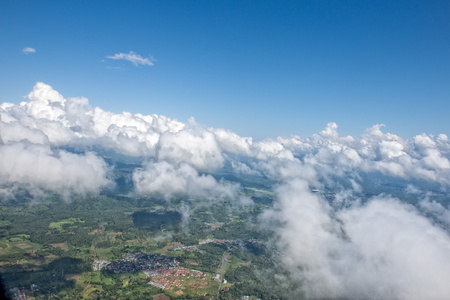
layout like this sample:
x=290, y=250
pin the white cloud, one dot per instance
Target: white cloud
x=436, y=210
x=241, y=168
x=165, y=179
x=425, y=157
x=197, y=147
x=37, y=167
x=28, y=50
x=394, y=241
x=49, y=118
x=381, y=250
x=134, y=58
x=231, y=142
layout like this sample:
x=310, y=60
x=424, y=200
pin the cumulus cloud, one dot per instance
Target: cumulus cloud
x=48, y=118
x=37, y=167
x=436, y=210
x=60, y=122
x=198, y=147
x=383, y=249
x=28, y=50
x=394, y=241
x=134, y=58
x=242, y=168
x=169, y=180
x=425, y=157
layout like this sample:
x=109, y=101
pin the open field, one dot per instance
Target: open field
x=59, y=225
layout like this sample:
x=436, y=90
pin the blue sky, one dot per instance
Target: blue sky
x=259, y=68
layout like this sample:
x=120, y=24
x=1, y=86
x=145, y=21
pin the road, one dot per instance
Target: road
x=221, y=273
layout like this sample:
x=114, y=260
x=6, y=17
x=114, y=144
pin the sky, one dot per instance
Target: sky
x=259, y=68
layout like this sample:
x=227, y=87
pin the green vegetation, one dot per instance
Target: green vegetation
x=48, y=248
x=65, y=224
x=151, y=220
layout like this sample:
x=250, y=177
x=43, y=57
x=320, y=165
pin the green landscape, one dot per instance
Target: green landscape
x=121, y=245
x=49, y=248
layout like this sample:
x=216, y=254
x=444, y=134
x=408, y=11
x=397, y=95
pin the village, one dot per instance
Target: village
x=164, y=272
x=137, y=261
x=168, y=279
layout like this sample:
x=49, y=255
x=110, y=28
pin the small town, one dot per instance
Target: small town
x=137, y=261
x=168, y=279
x=164, y=272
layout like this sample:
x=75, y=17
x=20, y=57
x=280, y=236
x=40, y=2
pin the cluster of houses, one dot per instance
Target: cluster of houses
x=21, y=293
x=170, y=278
x=100, y=264
x=18, y=294
x=137, y=261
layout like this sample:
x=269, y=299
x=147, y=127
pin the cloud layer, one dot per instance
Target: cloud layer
x=47, y=118
x=351, y=247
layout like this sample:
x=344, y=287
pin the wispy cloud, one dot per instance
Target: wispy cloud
x=134, y=58
x=28, y=50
